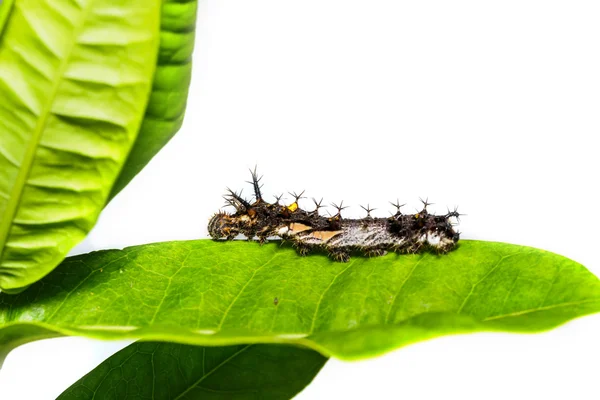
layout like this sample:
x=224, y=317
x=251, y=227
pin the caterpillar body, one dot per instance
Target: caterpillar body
x=308, y=230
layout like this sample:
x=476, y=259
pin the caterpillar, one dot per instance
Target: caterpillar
x=308, y=230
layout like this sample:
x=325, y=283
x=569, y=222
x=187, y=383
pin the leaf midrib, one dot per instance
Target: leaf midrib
x=212, y=371
x=6, y=220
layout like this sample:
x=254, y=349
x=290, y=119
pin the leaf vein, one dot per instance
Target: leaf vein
x=314, y=318
x=164, y=297
x=212, y=371
x=387, y=316
x=241, y=291
x=494, y=268
x=92, y=272
x=545, y=308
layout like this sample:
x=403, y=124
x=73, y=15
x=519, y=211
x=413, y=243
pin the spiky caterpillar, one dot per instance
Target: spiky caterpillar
x=405, y=233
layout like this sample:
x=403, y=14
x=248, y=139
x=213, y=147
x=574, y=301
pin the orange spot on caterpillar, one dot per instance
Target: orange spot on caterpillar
x=325, y=235
x=297, y=227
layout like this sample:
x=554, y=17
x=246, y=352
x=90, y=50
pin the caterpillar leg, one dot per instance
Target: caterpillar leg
x=262, y=239
x=375, y=252
x=339, y=255
x=301, y=248
x=414, y=248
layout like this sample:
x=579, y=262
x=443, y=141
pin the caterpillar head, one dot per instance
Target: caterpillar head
x=223, y=225
x=435, y=231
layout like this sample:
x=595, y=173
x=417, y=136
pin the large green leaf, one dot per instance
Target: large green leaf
x=164, y=371
x=166, y=107
x=214, y=293
x=75, y=79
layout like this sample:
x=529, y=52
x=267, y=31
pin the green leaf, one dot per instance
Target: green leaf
x=5, y=9
x=219, y=293
x=75, y=79
x=166, y=107
x=174, y=371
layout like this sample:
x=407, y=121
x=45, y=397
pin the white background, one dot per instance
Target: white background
x=492, y=106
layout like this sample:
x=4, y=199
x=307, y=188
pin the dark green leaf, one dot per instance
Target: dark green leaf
x=166, y=108
x=174, y=371
x=214, y=293
x=75, y=79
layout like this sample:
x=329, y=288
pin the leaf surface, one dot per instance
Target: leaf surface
x=214, y=293
x=166, y=107
x=174, y=371
x=75, y=79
